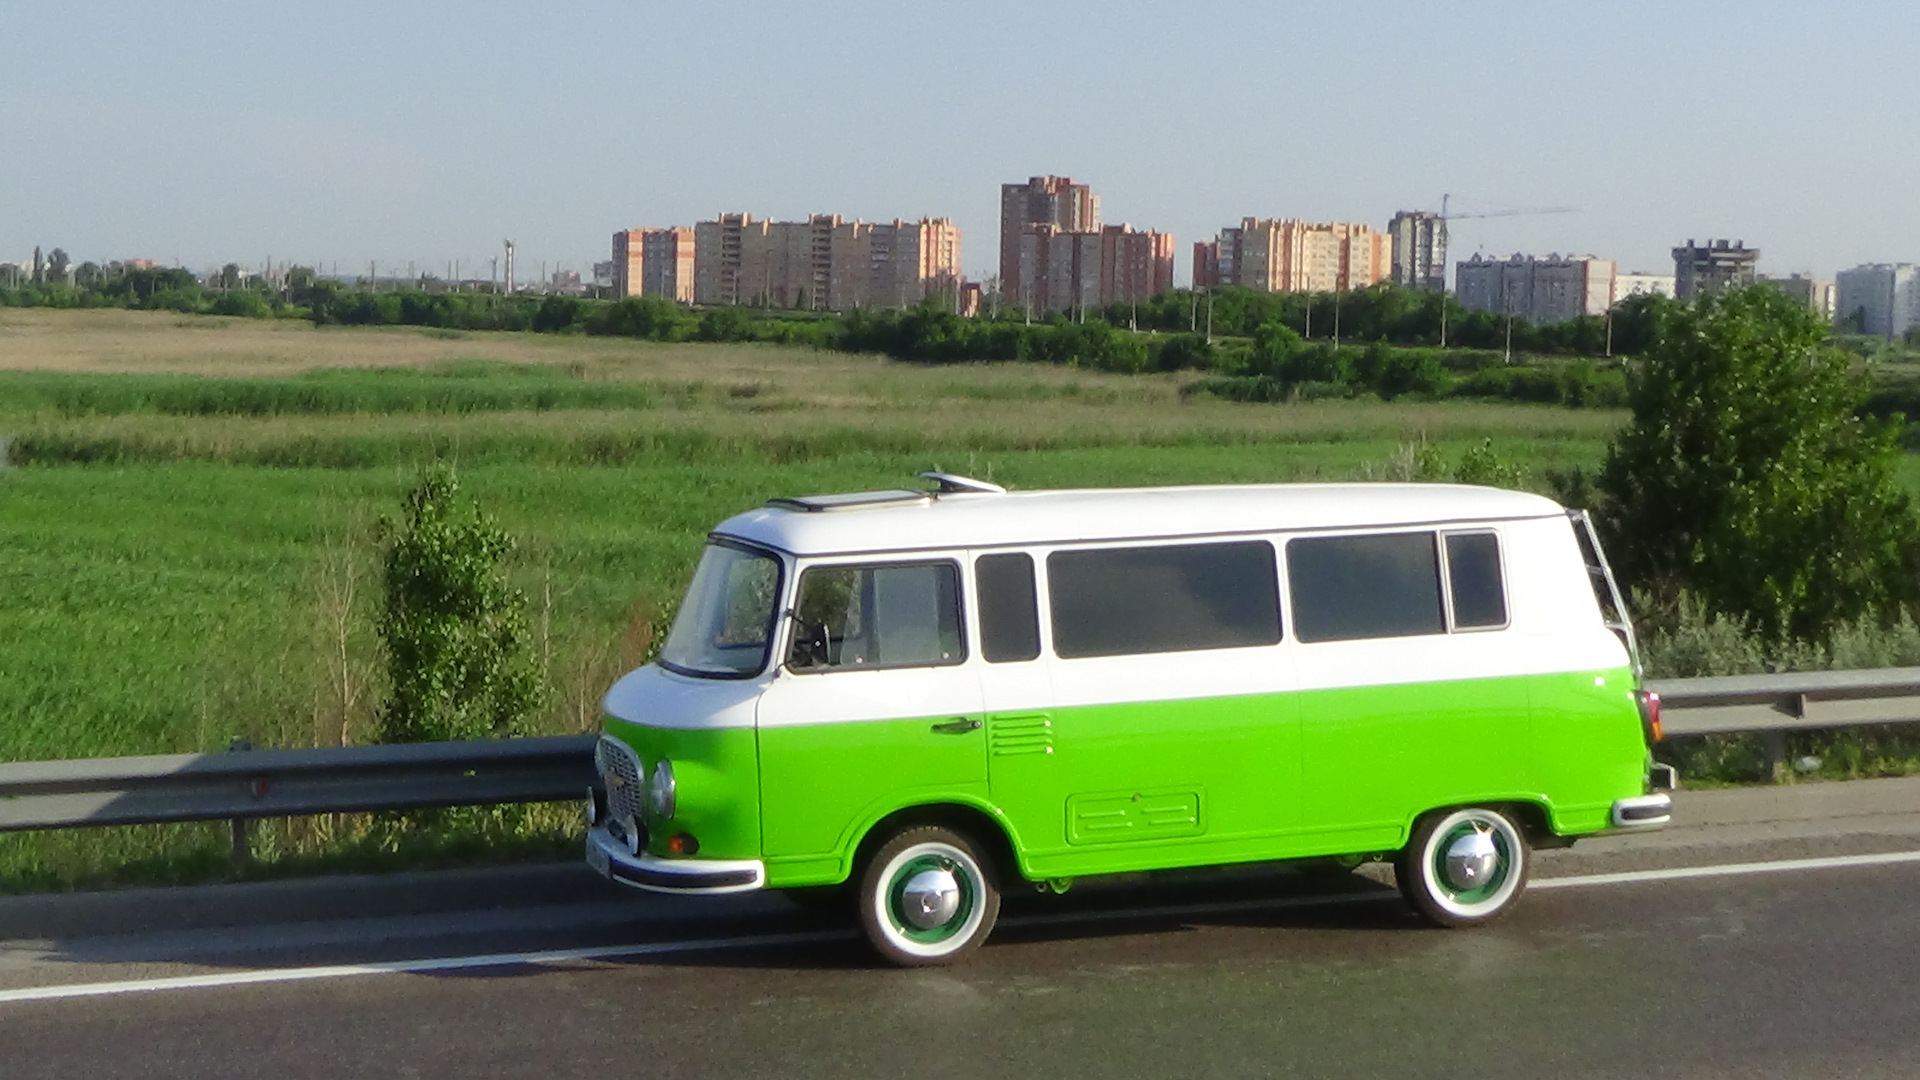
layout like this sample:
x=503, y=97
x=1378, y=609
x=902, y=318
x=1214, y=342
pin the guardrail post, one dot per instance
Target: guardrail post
x=242, y=850
x=1773, y=744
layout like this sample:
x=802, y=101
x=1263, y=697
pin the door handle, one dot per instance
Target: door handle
x=958, y=726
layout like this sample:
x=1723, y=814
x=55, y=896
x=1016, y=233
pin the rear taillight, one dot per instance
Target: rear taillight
x=1650, y=714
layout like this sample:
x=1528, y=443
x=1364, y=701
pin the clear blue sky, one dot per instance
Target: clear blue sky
x=427, y=131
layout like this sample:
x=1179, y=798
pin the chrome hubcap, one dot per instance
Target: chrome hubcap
x=930, y=899
x=1472, y=860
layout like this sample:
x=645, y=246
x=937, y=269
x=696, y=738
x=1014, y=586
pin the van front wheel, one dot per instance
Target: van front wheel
x=1463, y=867
x=926, y=897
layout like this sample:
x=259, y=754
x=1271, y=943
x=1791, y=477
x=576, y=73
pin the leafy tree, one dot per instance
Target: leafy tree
x=557, y=313
x=725, y=324
x=1746, y=477
x=1184, y=351
x=1322, y=362
x=458, y=654
x=1483, y=465
x=57, y=266
x=652, y=317
x=1274, y=343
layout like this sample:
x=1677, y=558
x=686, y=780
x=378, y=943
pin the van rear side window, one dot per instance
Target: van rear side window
x=1009, y=613
x=1353, y=587
x=1473, y=579
x=1123, y=601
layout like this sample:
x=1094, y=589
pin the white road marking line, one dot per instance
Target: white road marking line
x=813, y=937
x=1627, y=877
x=407, y=967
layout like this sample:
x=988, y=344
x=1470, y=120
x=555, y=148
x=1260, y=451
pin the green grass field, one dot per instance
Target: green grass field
x=189, y=530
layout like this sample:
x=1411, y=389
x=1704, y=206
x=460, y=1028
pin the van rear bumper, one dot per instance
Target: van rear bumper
x=1643, y=811
x=699, y=877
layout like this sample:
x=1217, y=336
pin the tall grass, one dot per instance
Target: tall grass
x=457, y=388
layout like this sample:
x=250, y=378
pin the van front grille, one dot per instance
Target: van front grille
x=621, y=773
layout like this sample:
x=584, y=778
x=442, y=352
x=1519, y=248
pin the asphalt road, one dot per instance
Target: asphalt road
x=1800, y=971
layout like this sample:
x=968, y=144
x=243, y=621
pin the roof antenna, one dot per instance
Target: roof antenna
x=945, y=483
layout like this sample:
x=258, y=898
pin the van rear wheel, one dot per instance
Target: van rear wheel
x=927, y=897
x=1463, y=867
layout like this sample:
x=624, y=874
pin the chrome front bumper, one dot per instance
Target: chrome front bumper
x=698, y=877
x=1643, y=811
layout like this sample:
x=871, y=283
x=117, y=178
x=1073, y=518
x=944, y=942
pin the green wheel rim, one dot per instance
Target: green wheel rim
x=896, y=899
x=1500, y=870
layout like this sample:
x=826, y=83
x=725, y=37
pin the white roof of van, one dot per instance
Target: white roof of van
x=907, y=522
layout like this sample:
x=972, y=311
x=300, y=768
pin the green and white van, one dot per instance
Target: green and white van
x=927, y=697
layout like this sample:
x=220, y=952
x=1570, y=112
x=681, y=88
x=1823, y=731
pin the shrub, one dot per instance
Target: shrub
x=458, y=657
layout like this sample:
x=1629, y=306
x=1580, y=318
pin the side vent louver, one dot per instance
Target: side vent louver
x=1027, y=734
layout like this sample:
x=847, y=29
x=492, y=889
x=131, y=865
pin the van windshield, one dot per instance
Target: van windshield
x=726, y=621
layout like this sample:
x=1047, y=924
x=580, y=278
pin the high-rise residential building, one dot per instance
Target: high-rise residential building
x=824, y=263
x=1064, y=270
x=625, y=264
x=721, y=259
x=1881, y=299
x=1719, y=265
x=1810, y=292
x=1052, y=201
x=1269, y=255
x=654, y=262
x=1640, y=283
x=1541, y=291
x=666, y=263
x=1419, y=241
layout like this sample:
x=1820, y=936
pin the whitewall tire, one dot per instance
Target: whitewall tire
x=1464, y=867
x=927, y=897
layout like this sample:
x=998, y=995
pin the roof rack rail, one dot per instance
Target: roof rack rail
x=946, y=483
x=850, y=500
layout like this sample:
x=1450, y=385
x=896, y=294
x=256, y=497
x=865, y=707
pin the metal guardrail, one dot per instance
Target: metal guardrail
x=1795, y=701
x=249, y=784
x=1773, y=705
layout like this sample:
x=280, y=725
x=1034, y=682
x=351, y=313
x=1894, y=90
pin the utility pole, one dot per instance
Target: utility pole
x=509, y=280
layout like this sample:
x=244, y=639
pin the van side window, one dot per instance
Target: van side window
x=1473, y=578
x=1009, y=612
x=1120, y=601
x=1351, y=587
x=877, y=616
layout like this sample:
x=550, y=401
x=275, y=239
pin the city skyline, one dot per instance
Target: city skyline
x=201, y=136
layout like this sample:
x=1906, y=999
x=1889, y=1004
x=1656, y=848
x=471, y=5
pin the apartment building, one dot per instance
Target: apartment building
x=653, y=262
x=1641, y=283
x=1541, y=291
x=1419, y=245
x=1064, y=270
x=1052, y=201
x=1813, y=293
x=1270, y=255
x=1701, y=270
x=1881, y=299
x=824, y=263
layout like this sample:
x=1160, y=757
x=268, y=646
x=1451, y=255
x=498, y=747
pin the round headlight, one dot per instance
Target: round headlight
x=660, y=793
x=661, y=790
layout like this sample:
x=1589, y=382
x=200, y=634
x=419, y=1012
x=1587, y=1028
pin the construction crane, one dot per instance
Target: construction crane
x=1440, y=239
